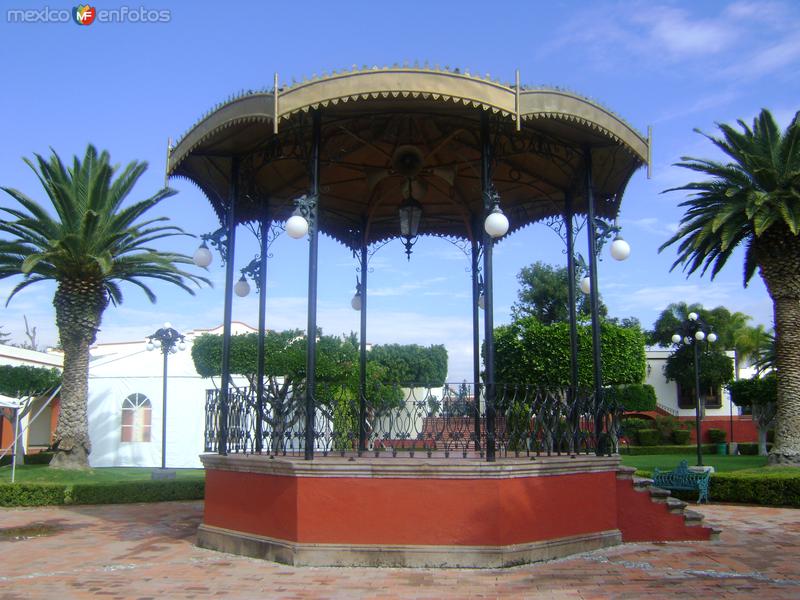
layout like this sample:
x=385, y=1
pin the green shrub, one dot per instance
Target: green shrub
x=648, y=437
x=681, y=436
x=750, y=448
x=769, y=488
x=42, y=494
x=631, y=425
x=136, y=491
x=31, y=494
x=666, y=424
x=634, y=397
x=716, y=436
x=42, y=458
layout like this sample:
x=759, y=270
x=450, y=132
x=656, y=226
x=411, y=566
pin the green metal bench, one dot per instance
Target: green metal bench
x=683, y=479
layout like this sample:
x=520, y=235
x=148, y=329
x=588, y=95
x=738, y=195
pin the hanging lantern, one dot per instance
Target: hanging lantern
x=202, y=256
x=620, y=249
x=496, y=223
x=242, y=288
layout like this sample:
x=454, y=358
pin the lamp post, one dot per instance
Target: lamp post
x=169, y=341
x=690, y=333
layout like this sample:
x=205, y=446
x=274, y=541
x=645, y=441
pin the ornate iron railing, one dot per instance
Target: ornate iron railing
x=448, y=421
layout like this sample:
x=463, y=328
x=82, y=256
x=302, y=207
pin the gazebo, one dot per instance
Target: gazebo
x=498, y=474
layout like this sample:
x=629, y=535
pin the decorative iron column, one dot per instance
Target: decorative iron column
x=476, y=335
x=311, y=332
x=488, y=315
x=573, y=318
x=362, y=359
x=230, y=243
x=594, y=297
x=262, y=329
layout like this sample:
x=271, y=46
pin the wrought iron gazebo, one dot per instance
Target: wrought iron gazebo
x=369, y=155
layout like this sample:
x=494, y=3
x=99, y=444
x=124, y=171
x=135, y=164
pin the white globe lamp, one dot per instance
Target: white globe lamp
x=242, y=288
x=496, y=223
x=202, y=256
x=296, y=227
x=586, y=285
x=699, y=336
x=620, y=249
x=356, y=302
x=676, y=339
x=712, y=337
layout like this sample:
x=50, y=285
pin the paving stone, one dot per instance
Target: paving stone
x=144, y=551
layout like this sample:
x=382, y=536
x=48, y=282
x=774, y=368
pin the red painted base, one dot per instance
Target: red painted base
x=449, y=505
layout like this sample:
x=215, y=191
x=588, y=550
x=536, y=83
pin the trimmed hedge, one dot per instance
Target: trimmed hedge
x=648, y=437
x=768, y=489
x=681, y=436
x=764, y=488
x=41, y=494
x=633, y=397
x=717, y=436
x=32, y=494
x=750, y=448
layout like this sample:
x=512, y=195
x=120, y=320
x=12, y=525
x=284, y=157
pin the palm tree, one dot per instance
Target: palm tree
x=753, y=199
x=88, y=246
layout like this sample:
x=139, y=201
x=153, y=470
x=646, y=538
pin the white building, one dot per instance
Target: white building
x=680, y=403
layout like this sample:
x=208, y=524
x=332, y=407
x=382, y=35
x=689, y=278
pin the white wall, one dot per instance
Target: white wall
x=667, y=391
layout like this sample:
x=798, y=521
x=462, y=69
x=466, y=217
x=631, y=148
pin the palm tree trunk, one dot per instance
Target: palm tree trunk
x=778, y=256
x=72, y=433
x=787, y=359
x=79, y=307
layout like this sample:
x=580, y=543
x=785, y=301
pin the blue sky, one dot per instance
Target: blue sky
x=128, y=87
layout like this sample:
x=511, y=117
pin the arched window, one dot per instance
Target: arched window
x=136, y=418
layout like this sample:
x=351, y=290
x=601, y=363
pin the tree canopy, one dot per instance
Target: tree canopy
x=527, y=351
x=543, y=293
x=24, y=380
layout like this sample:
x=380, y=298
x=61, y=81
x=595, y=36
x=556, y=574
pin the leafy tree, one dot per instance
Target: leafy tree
x=543, y=293
x=716, y=368
x=4, y=337
x=752, y=200
x=761, y=394
x=412, y=364
x=25, y=381
x=529, y=352
x=88, y=245
x=337, y=373
x=21, y=381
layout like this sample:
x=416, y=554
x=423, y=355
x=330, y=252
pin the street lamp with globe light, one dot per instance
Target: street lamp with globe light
x=169, y=341
x=692, y=332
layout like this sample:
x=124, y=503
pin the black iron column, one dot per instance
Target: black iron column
x=594, y=297
x=362, y=358
x=311, y=333
x=697, y=420
x=488, y=306
x=573, y=319
x=573, y=396
x=230, y=243
x=476, y=335
x=262, y=329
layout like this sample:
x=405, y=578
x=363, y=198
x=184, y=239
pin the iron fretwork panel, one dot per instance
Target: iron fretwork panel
x=420, y=421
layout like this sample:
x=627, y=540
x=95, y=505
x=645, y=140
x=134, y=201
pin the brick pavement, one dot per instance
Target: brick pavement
x=145, y=551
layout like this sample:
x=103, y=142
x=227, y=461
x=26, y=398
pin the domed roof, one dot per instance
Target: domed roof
x=387, y=130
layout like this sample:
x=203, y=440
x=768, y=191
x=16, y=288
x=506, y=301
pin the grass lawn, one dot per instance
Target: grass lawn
x=44, y=474
x=670, y=461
